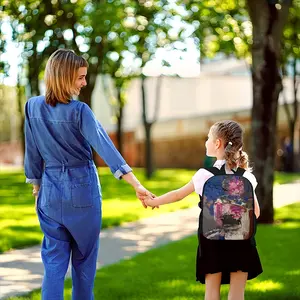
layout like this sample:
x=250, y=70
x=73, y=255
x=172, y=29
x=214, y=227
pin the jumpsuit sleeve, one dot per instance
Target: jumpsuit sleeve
x=97, y=137
x=33, y=161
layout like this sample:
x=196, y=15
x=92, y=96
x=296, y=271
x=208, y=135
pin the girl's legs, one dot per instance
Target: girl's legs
x=212, y=286
x=237, y=285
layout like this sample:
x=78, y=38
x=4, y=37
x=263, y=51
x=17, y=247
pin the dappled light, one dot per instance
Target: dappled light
x=264, y=286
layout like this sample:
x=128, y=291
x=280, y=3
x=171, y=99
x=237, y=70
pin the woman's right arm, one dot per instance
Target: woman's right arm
x=97, y=137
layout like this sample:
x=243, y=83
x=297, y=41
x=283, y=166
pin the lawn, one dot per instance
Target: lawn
x=19, y=225
x=167, y=273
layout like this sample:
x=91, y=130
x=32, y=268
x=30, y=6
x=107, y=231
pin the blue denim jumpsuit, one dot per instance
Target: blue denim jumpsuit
x=58, y=157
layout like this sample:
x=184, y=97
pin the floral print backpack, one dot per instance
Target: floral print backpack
x=228, y=206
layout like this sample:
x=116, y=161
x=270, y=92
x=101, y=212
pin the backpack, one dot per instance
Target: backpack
x=228, y=206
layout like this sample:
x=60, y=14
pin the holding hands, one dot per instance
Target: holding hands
x=144, y=195
x=150, y=201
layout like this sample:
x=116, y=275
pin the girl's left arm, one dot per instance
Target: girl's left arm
x=172, y=196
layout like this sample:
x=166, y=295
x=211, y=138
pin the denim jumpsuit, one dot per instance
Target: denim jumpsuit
x=58, y=157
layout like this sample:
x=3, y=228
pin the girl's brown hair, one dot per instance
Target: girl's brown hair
x=60, y=75
x=231, y=133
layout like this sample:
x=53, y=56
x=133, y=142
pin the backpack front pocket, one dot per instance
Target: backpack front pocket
x=81, y=195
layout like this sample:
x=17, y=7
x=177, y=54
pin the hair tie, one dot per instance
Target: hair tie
x=229, y=143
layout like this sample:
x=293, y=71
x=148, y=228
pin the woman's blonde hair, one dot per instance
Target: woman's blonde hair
x=60, y=75
x=231, y=133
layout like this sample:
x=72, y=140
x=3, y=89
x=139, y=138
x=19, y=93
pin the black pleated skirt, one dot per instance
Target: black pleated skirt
x=226, y=257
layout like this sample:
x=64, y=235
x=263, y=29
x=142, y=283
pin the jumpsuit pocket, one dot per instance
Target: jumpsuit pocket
x=81, y=195
x=44, y=195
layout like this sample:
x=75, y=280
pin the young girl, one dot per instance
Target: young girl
x=229, y=261
x=59, y=134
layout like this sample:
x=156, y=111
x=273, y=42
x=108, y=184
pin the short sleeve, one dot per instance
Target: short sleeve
x=199, y=179
x=251, y=178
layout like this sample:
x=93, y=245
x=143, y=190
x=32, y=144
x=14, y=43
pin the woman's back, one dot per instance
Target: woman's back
x=56, y=131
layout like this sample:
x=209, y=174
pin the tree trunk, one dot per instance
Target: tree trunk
x=22, y=118
x=93, y=71
x=268, y=23
x=34, y=64
x=147, y=127
x=86, y=93
x=148, y=153
x=295, y=162
x=120, y=121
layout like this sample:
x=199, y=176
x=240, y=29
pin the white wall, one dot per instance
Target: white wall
x=181, y=98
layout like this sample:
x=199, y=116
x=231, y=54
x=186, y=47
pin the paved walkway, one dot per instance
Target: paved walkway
x=21, y=270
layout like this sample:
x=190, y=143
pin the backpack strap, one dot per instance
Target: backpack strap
x=222, y=171
x=213, y=170
x=239, y=171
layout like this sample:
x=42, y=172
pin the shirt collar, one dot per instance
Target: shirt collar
x=219, y=163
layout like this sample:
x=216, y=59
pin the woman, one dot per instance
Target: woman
x=59, y=134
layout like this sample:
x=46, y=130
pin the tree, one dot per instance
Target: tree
x=152, y=22
x=268, y=19
x=87, y=27
x=224, y=26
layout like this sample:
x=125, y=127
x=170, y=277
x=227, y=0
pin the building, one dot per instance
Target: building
x=187, y=109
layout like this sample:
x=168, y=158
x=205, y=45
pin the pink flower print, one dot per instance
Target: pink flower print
x=218, y=213
x=235, y=187
x=237, y=211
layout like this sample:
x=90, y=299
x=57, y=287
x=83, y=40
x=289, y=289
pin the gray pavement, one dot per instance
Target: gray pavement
x=22, y=270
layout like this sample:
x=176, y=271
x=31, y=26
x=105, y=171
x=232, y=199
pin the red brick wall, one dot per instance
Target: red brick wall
x=11, y=153
x=129, y=149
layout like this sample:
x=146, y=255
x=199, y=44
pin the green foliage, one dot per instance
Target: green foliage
x=221, y=26
x=291, y=49
x=98, y=30
x=168, y=272
x=225, y=27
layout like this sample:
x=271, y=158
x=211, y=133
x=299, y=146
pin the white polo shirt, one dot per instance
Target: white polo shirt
x=202, y=175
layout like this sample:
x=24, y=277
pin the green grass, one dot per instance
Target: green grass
x=282, y=178
x=168, y=272
x=19, y=225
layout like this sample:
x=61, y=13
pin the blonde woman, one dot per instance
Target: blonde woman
x=59, y=135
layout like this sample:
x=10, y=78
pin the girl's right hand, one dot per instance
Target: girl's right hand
x=149, y=201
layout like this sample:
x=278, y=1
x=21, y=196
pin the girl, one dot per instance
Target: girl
x=59, y=133
x=220, y=262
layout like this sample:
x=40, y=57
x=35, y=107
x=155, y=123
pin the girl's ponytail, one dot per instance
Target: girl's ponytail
x=236, y=158
x=244, y=160
x=230, y=156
